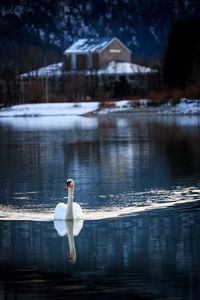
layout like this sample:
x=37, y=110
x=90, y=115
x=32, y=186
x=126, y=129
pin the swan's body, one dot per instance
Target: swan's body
x=66, y=212
x=71, y=210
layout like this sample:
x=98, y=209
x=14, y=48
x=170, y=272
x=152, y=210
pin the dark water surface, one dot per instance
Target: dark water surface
x=138, y=182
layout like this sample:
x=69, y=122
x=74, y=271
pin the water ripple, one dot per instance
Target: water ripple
x=127, y=204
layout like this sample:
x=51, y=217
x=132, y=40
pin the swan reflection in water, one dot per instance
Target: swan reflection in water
x=71, y=228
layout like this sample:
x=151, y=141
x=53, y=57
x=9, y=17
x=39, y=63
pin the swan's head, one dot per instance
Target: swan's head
x=69, y=183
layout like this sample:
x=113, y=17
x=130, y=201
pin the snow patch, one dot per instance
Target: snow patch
x=48, y=71
x=185, y=107
x=124, y=68
x=114, y=68
x=49, y=109
x=88, y=45
x=122, y=105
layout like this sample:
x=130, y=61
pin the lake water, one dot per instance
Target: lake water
x=138, y=181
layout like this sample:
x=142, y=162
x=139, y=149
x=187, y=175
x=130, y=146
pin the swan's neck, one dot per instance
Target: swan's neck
x=69, y=213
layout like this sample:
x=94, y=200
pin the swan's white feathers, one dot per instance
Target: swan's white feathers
x=77, y=211
x=61, y=209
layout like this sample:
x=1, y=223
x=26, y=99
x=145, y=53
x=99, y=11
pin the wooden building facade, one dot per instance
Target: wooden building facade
x=93, y=54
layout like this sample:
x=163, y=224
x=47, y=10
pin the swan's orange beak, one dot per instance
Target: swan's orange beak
x=67, y=186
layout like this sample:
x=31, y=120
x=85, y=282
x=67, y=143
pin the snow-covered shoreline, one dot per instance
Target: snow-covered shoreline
x=185, y=107
x=49, y=109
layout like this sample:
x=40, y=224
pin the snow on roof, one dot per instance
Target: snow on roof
x=48, y=71
x=123, y=68
x=112, y=68
x=88, y=45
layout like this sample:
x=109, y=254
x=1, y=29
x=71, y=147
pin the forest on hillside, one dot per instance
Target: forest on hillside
x=35, y=34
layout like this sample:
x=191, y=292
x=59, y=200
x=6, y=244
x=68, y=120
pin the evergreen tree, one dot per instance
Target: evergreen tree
x=182, y=55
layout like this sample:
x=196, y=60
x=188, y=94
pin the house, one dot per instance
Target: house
x=95, y=53
x=93, y=69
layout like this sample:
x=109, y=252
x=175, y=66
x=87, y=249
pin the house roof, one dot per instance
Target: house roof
x=112, y=68
x=48, y=71
x=123, y=68
x=88, y=45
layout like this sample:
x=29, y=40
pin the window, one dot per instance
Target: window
x=114, y=50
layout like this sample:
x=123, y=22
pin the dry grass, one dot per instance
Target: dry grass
x=173, y=95
x=107, y=104
x=193, y=91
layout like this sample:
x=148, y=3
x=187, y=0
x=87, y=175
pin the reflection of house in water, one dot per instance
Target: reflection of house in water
x=95, y=68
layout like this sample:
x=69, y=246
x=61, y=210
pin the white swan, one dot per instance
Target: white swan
x=71, y=210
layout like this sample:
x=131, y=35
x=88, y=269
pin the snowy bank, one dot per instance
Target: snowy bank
x=185, y=107
x=49, y=109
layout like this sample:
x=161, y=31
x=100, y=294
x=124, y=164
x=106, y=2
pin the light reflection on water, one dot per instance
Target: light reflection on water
x=137, y=180
x=111, y=156
x=120, y=205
